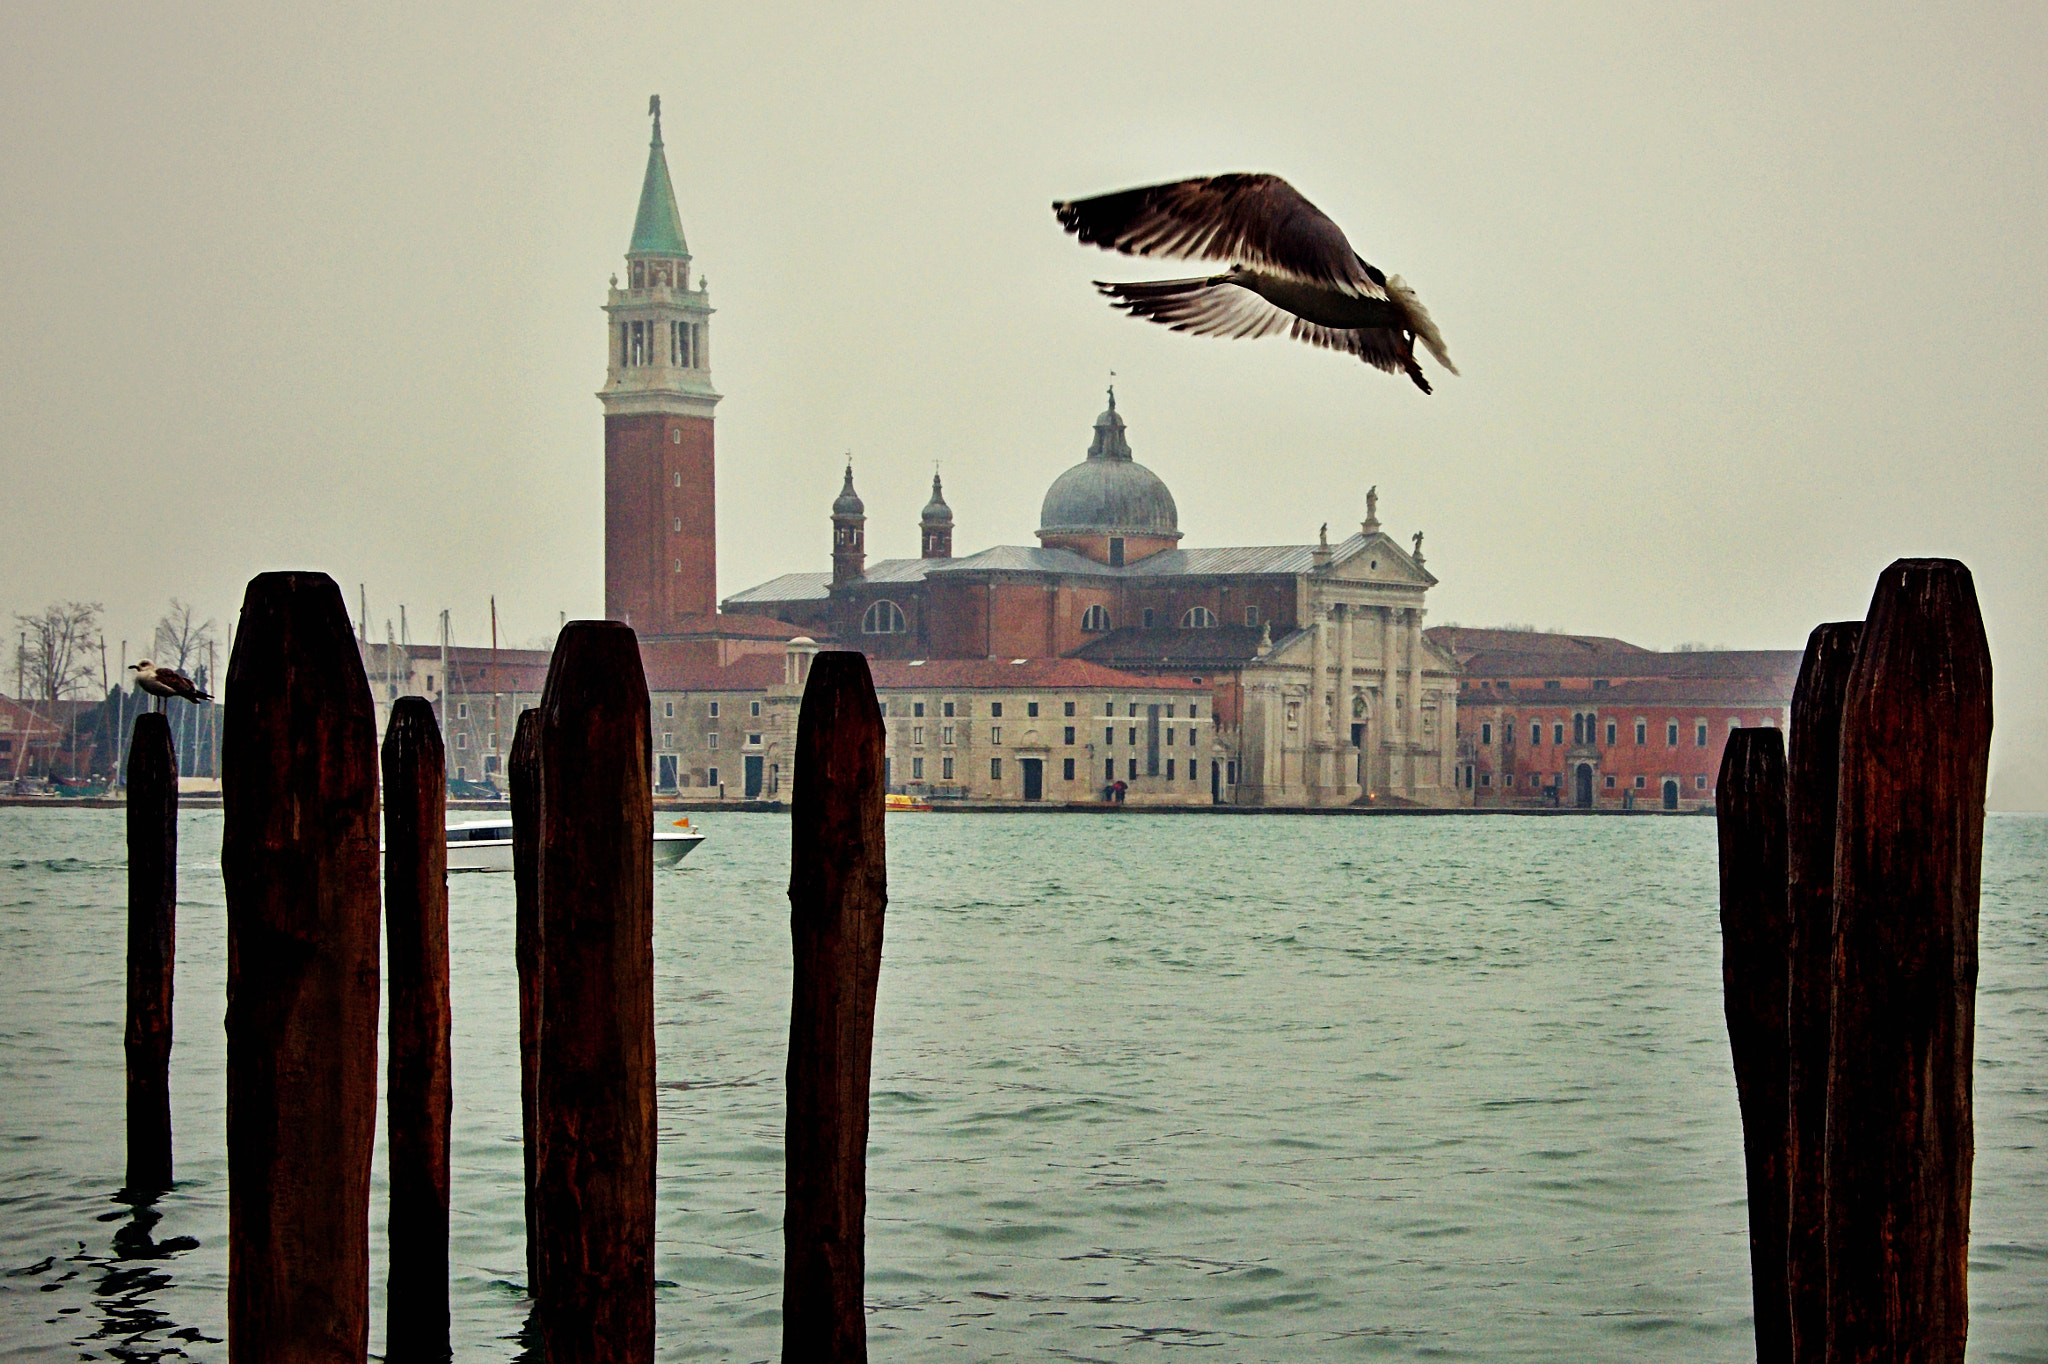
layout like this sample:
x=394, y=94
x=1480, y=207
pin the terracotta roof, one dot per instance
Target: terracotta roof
x=1041, y=674
x=1661, y=691
x=1773, y=664
x=749, y=672
x=1225, y=646
x=731, y=625
x=1463, y=641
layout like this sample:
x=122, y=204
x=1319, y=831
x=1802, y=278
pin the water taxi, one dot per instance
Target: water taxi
x=486, y=844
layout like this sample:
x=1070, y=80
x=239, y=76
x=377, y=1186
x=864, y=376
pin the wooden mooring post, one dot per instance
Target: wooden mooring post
x=594, y=1099
x=838, y=890
x=1916, y=734
x=523, y=776
x=152, y=950
x=1749, y=799
x=418, y=1098
x=299, y=862
x=1812, y=771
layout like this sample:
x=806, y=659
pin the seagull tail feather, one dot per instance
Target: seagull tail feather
x=1419, y=321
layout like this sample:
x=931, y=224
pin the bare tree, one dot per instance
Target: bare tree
x=53, y=655
x=181, y=642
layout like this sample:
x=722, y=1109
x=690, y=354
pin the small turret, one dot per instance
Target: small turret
x=849, y=522
x=936, y=525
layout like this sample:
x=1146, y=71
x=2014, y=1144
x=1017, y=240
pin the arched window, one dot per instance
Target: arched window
x=1198, y=618
x=1095, y=619
x=883, y=618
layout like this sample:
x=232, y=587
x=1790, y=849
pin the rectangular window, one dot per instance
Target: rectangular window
x=753, y=707
x=1536, y=733
x=1699, y=783
x=1067, y=769
x=1557, y=733
x=1134, y=738
x=917, y=769
x=711, y=739
x=995, y=769
x=1109, y=707
x=711, y=776
x=1194, y=712
x=1700, y=738
x=1169, y=769
x=753, y=741
x=1486, y=734
x=1191, y=737
x=1671, y=734
x=462, y=741
x=668, y=710
x=1134, y=769
x=917, y=709
x=945, y=734
x=995, y=709
x=1610, y=783
x=1108, y=736
x=1191, y=769
x=1109, y=769
x=1169, y=736
x=714, y=710
x=462, y=710
x=995, y=734
x=1486, y=778
x=946, y=769
x=1251, y=615
x=1134, y=710
x=1610, y=733
x=1069, y=735
x=946, y=709
x=1148, y=618
x=1169, y=710
x=1642, y=732
x=917, y=734
x=1030, y=710
x=1070, y=708
x=668, y=740
x=1639, y=783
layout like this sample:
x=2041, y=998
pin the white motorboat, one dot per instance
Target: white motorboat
x=486, y=844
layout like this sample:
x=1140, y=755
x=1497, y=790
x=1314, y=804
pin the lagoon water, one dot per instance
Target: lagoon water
x=1266, y=1088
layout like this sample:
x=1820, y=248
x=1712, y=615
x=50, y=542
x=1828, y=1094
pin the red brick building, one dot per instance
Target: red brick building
x=1586, y=722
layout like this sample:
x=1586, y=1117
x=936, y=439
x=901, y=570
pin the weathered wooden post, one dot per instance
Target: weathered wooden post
x=594, y=1099
x=1749, y=800
x=418, y=1102
x=523, y=774
x=1916, y=736
x=299, y=859
x=152, y=950
x=1812, y=766
x=838, y=890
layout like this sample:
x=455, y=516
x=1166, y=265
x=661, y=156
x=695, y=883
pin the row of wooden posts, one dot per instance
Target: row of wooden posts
x=1849, y=886
x=299, y=856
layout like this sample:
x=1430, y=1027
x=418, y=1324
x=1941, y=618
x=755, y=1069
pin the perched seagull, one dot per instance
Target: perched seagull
x=1290, y=267
x=166, y=682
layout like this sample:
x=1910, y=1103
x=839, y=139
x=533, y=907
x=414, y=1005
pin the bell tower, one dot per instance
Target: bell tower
x=660, y=510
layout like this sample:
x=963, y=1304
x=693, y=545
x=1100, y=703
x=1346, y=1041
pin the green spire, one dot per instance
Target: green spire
x=657, y=228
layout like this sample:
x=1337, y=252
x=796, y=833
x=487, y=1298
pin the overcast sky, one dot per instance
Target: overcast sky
x=1749, y=299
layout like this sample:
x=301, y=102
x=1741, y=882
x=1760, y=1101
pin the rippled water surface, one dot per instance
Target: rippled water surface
x=1270, y=1088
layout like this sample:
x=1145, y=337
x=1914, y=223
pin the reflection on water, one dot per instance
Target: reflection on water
x=1268, y=1088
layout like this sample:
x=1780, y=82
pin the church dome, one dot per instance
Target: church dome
x=1109, y=491
x=936, y=512
x=848, y=502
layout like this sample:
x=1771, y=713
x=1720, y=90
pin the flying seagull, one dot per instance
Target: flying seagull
x=1290, y=267
x=166, y=682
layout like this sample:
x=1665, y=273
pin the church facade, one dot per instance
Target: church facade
x=1323, y=688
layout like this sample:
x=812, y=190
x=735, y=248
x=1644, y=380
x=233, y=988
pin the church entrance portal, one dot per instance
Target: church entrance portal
x=1034, y=778
x=1582, y=786
x=1671, y=795
x=665, y=778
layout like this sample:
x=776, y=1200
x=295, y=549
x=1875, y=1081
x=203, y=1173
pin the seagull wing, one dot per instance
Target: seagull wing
x=1380, y=347
x=1257, y=220
x=1199, y=306
x=180, y=685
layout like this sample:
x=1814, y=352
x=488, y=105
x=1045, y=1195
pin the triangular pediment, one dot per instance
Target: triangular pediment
x=1376, y=558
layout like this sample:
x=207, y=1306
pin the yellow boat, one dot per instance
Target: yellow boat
x=905, y=803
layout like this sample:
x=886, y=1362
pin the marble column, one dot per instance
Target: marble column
x=1315, y=728
x=1340, y=718
x=1390, y=709
x=1415, y=693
